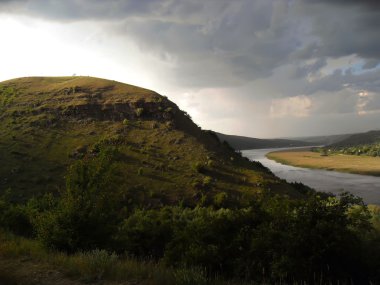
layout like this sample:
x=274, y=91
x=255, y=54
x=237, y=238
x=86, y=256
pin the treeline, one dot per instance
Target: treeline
x=318, y=239
x=364, y=149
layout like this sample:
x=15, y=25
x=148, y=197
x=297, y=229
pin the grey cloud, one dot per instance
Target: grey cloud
x=74, y=10
x=341, y=28
x=222, y=42
x=302, y=71
x=246, y=39
x=366, y=3
x=339, y=80
x=371, y=63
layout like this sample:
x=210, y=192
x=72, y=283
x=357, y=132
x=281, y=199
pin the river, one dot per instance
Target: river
x=364, y=186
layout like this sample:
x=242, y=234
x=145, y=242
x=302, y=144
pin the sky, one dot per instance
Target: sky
x=260, y=68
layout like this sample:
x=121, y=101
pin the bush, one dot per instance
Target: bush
x=15, y=217
x=87, y=214
x=220, y=199
x=146, y=232
x=190, y=276
x=197, y=167
x=96, y=263
x=139, y=112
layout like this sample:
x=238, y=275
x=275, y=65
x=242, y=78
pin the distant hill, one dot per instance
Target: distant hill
x=241, y=142
x=48, y=124
x=323, y=140
x=371, y=137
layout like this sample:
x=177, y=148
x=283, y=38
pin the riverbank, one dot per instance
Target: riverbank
x=365, y=165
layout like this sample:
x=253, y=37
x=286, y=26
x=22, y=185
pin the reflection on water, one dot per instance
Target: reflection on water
x=367, y=187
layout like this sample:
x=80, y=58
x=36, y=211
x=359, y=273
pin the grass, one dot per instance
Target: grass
x=366, y=165
x=89, y=267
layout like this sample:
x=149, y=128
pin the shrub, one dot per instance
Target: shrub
x=95, y=264
x=139, y=112
x=191, y=276
x=146, y=232
x=197, y=167
x=220, y=199
x=15, y=217
x=87, y=214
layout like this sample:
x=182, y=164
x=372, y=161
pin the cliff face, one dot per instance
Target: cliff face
x=48, y=123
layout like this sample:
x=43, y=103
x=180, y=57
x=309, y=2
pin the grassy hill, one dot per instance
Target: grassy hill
x=150, y=198
x=241, y=143
x=48, y=123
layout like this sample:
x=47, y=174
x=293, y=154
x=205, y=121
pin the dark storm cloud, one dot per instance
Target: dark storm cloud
x=343, y=28
x=309, y=68
x=223, y=42
x=368, y=3
x=74, y=10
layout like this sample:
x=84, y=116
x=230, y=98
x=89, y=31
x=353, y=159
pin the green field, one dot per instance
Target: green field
x=339, y=162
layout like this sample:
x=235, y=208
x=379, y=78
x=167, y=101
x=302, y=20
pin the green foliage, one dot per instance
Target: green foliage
x=191, y=276
x=6, y=96
x=207, y=182
x=274, y=239
x=146, y=232
x=198, y=167
x=362, y=149
x=126, y=122
x=281, y=237
x=87, y=213
x=210, y=163
x=97, y=263
x=139, y=112
x=15, y=217
x=221, y=199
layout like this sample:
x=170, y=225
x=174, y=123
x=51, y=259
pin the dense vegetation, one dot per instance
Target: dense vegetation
x=358, y=144
x=362, y=149
x=272, y=238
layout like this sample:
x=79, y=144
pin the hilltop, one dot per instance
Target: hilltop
x=48, y=123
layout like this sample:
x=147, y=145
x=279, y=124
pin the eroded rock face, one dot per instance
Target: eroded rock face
x=117, y=111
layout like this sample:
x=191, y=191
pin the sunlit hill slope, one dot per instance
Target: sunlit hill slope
x=48, y=123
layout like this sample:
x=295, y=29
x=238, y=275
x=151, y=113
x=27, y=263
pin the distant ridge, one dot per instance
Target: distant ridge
x=323, y=140
x=242, y=143
x=370, y=137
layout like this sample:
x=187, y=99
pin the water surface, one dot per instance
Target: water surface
x=367, y=187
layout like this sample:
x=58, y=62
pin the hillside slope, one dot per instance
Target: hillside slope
x=323, y=140
x=241, y=143
x=370, y=137
x=49, y=123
